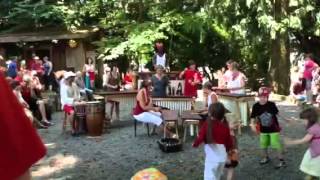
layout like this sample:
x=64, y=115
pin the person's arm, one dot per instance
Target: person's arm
x=142, y=100
x=253, y=119
x=50, y=68
x=202, y=134
x=306, y=139
x=182, y=73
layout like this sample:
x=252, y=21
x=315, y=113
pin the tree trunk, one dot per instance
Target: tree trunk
x=280, y=63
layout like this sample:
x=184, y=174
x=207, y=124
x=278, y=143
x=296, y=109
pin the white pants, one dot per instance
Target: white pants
x=149, y=117
x=213, y=170
x=215, y=160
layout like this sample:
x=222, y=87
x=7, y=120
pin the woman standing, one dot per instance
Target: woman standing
x=48, y=75
x=192, y=79
x=89, y=70
x=235, y=79
x=112, y=83
x=159, y=82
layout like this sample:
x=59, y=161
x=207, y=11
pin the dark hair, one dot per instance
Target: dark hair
x=14, y=84
x=308, y=55
x=207, y=85
x=145, y=83
x=191, y=62
x=311, y=114
x=216, y=112
x=87, y=60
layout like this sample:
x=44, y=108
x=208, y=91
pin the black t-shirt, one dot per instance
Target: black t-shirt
x=266, y=115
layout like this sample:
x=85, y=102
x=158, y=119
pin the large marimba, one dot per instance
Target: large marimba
x=238, y=104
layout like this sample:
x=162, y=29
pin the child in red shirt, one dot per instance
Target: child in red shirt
x=215, y=133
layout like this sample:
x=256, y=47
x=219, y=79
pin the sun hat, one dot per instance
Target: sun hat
x=69, y=74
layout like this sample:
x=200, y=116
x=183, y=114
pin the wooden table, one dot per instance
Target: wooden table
x=238, y=104
x=170, y=116
x=190, y=118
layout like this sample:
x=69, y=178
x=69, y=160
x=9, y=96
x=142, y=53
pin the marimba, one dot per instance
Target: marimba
x=126, y=99
x=178, y=103
x=238, y=104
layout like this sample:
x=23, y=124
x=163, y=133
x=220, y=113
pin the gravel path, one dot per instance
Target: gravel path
x=118, y=155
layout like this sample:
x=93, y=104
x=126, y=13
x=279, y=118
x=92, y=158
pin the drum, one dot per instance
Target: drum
x=80, y=116
x=94, y=117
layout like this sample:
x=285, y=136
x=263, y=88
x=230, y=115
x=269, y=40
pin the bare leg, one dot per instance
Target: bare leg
x=92, y=84
x=230, y=172
x=70, y=119
x=42, y=110
x=166, y=130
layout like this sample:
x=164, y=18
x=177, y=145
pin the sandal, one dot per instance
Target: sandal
x=264, y=160
x=281, y=164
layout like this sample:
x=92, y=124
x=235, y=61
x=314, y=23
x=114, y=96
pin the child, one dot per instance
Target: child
x=215, y=133
x=233, y=154
x=264, y=113
x=311, y=160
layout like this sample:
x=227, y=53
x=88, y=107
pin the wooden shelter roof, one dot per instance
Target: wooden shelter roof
x=44, y=36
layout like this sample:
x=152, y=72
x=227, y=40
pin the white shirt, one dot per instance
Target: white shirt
x=161, y=60
x=65, y=99
x=236, y=83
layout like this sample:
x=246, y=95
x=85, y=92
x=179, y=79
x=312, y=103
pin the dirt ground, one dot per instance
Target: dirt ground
x=118, y=155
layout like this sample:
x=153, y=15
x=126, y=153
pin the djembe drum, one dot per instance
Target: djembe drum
x=80, y=116
x=94, y=117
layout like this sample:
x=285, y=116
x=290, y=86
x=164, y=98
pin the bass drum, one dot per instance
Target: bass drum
x=95, y=116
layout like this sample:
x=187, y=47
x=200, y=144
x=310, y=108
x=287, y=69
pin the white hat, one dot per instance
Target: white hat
x=36, y=58
x=69, y=74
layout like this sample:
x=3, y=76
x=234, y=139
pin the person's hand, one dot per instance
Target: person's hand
x=157, y=109
x=253, y=128
x=287, y=141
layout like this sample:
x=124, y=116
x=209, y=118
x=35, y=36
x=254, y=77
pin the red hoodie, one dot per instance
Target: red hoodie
x=220, y=134
x=20, y=144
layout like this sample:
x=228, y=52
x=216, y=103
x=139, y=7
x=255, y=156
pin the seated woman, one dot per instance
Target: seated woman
x=31, y=94
x=16, y=87
x=159, y=82
x=70, y=96
x=112, y=83
x=145, y=111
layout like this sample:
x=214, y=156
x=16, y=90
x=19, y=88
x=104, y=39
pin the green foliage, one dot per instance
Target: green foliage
x=209, y=32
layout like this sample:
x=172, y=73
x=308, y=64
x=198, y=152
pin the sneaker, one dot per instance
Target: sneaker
x=264, y=161
x=281, y=164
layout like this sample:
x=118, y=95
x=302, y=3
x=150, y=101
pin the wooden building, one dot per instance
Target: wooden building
x=66, y=50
